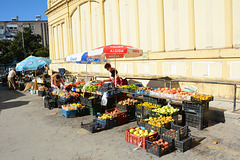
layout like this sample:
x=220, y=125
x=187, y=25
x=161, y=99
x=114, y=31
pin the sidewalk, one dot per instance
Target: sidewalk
x=30, y=131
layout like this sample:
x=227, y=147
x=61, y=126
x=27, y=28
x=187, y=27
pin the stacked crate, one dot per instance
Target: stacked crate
x=196, y=114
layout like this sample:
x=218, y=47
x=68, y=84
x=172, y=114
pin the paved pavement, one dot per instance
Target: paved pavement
x=31, y=132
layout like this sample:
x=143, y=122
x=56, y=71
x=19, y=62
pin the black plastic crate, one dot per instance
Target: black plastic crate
x=107, y=123
x=21, y=86
x=81, y=111
x=183, y=145
x=197, y=108
x=196, y=121
x=159, y=149
x=141, y=122
x=176, y=132
x=49, y=103
x=147, y=111
x=41, y=93
x=157, y=101
x=93, y=127
x=129, y=108
x=92, y=102
x=139, y=109
x=82, y=100
x=150, y=127
x=146, y=99
x=174, y=116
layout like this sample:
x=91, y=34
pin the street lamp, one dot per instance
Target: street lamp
x=23, y=41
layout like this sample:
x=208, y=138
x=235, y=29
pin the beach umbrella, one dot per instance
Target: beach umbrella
x=31, y=63
x=115, y=51
x=82, y=58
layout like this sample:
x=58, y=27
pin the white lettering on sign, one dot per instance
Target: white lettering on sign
x=116, y=50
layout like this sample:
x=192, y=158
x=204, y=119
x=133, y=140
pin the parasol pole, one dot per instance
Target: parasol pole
x=86, y=72
x=115, y=72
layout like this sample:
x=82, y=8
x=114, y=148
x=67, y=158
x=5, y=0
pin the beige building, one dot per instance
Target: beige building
x=9, y=29
x=184, y=39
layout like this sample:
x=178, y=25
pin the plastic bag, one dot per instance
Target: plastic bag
x=104, y=99
x=55, y=91
x=87, y=84
x=192, y=88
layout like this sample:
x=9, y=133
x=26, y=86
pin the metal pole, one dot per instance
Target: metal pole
x=235, y=97
x=115, y=72
x=224, y=83
x=86, y=73
x=23, y=43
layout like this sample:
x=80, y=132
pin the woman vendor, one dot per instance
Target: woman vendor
x=112, y=72
x=56, y=81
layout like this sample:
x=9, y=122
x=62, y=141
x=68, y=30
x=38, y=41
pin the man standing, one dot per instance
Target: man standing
x=11, y=75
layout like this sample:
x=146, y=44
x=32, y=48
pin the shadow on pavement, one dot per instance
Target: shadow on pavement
x=215, y=116
x=7, y=94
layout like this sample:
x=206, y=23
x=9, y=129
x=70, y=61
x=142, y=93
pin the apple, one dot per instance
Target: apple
x=174, y=89
x=179, y=89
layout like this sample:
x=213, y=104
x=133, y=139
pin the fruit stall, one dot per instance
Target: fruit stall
x=161, y=127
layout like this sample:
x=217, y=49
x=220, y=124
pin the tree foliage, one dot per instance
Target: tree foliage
x=13, y=50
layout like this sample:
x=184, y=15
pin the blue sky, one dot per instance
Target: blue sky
x=24, y=9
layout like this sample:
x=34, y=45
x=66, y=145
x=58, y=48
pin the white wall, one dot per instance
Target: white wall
x=55, y=33
x=236, y=22
x=76, y=32
x=65, y=45
x=176, y=25
x=128, y=22
x=85, y=26
x=111, y=22
x=96, y=25
x=148, y=25
x=209, y=24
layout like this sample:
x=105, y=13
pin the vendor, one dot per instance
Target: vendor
x=112, y=72
x=56, y=81
x=11, y=76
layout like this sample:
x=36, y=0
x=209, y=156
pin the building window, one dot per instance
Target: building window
x=32, y=26
x=1, y=27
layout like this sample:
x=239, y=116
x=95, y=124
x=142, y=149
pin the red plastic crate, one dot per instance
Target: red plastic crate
x=131, y=138
x=122, y=116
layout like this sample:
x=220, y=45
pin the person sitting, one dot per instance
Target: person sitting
x=56, y=81
x=112, y=72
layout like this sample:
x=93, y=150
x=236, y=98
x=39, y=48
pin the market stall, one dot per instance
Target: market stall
x=32, y=63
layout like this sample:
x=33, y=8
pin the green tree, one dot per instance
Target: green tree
x=31, y=44
x=43, y=52
x=13, y=50
x=5, y=56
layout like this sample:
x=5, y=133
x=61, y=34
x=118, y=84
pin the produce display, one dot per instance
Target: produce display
x=128, y=102
x=69, y=108
x=159, y=121
x=172, y=133
x=75, y=95
x=65, y=95
x=199, y=97
x=80, y=86
x=166, y=110
x=151, y=105
x=145, y=88
x=79, y=82
x=140, y=133
x=132, y=87
x=105, y=116
x=77, y=105
x=91, y=88
x=158, y=147
x=107, y=87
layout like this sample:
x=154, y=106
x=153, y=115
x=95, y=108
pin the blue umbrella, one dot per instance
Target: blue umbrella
x=81, y=58
x=31, y=63
x=46, y=59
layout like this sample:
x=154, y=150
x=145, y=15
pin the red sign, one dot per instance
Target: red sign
x=30, y=62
